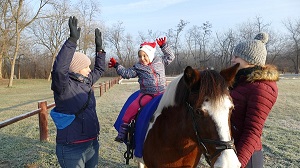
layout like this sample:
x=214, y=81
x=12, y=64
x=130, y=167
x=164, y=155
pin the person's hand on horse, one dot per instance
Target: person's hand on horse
x=74, y=31
x=98, y=40
x=161, y=41
x=112, y=63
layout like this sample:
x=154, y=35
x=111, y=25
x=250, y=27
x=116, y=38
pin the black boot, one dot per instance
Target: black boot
x=123, y=130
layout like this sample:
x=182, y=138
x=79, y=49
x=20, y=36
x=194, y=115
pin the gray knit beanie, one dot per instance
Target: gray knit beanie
x=254, y=51
x=79, y=62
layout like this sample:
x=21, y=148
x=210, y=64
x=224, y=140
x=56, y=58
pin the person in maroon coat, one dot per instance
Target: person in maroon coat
x=254, y=92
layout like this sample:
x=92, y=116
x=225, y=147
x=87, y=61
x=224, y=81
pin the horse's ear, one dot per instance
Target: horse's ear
x=191, y=76
x=229, y=73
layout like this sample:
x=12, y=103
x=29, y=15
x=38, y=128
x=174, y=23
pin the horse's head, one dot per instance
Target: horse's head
x=209, y=103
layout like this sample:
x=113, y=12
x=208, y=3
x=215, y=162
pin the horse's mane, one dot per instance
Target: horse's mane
x=210, y=85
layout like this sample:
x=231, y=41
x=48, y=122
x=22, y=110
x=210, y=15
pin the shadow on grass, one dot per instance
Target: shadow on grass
x=17, y=151
x=20, y=151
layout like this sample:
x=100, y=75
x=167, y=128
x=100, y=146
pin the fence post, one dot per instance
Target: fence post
x=113, y=82
x=101, y=89
x=107, y=85
x=43, y=120
x=104, y=87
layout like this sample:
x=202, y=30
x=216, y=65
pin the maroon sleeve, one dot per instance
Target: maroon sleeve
x=260, y=101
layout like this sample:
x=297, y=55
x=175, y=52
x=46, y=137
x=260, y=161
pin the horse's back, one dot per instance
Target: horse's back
x=141, y=121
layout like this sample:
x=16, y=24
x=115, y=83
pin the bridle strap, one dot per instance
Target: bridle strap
x=199, y=140
x=220, y=145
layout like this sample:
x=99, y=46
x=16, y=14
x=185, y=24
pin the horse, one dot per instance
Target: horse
x=192, y=118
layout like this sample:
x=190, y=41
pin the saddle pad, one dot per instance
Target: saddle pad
x=142, y=122
x=124, y=108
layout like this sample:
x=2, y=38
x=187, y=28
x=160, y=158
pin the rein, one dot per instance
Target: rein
x=220, y=145
x=130, y=144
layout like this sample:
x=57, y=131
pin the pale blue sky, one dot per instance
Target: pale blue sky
x=160, y=15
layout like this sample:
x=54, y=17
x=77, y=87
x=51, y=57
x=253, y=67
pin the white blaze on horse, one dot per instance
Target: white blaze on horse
x=193, y=118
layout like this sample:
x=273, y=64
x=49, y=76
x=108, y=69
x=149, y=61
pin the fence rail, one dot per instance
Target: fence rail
x=42, y=110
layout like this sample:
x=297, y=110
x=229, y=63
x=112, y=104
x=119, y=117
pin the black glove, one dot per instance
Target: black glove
x=98, y=40
x=74, y=31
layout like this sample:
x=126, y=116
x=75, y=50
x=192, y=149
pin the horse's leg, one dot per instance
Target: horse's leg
x=141, y=165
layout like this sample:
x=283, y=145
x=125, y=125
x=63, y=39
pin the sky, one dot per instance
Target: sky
x=161, y=15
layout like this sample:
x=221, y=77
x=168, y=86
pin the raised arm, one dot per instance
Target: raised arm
x=168, y=55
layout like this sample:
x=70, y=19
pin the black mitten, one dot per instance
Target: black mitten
x=98, y=40
x=74, y=31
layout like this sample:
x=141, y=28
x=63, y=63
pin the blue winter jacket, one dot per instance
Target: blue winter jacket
x=70, y=95
x=152, y=78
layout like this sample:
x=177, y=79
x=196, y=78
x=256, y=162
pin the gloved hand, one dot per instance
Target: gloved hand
x=74, y=31
x=98, y=40
x=161, y=41
x=112, y=63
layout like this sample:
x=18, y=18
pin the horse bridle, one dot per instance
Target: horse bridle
x=220, y=145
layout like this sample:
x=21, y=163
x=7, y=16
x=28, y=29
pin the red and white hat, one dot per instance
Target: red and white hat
x=149, y=48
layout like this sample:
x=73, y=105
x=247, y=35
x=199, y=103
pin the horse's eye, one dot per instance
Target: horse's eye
x=206, y=99
x=231, y=108
x=202, y=112
x=198, y=111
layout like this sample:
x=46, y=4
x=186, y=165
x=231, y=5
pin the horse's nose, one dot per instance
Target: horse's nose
x=227, y=159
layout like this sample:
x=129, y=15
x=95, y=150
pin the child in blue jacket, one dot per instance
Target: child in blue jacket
x=75, y=111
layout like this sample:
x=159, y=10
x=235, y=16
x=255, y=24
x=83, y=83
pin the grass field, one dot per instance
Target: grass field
x=20, y=145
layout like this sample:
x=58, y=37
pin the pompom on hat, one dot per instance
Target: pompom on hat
x=254, y=51
x=149, y=49
x=79, y=62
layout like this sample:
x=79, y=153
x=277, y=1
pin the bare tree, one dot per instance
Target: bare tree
x=21, y=21
x=150, y=36
x=247, y=30
x=294, y=30
x=193, y=37
x=115, y=36
x=6, y=33
x=197, y=39
x=174, y=41
x=130, y=53
x=87, y=10
x=275, y=46
x=52, y=31
x=223, y=49
x=206, y=27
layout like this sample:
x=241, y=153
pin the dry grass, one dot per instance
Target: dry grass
x=20, y=145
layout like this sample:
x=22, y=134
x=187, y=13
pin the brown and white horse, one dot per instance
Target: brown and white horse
x=192, y=118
